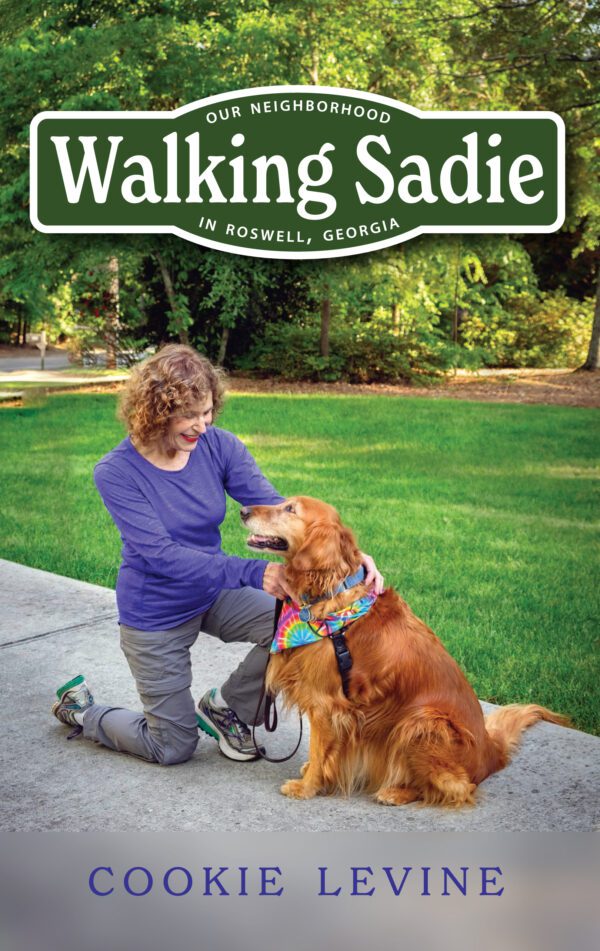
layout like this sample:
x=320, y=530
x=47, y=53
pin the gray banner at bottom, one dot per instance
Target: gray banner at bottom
x=256, y=892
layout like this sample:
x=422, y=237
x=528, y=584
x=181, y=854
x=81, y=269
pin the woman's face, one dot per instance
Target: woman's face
x=184, y=432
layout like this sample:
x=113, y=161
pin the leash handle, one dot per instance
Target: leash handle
x=274, y=759
x=271, y=718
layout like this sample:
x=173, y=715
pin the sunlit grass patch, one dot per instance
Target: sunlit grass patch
x=483, y=516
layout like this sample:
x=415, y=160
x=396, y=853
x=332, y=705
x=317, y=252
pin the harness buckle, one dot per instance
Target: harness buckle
x=343, y=658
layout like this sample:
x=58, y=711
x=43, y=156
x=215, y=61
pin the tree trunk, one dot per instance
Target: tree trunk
x=314, y=49
x=170, y=291
x=456, y=279
x=314, y=67
x=112, y=318
x=223, y=346
x=325, y=321
x=396, y=319
x=593, y=358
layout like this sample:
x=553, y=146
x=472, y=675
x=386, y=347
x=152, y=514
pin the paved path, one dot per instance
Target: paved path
x=52, y=628
x=55, y=376
x=52, y=361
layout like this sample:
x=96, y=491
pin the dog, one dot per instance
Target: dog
x=410, y=727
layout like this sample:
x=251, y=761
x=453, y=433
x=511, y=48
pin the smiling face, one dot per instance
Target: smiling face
x=184, y=431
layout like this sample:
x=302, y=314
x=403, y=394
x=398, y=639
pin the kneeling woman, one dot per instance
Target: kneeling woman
x=164, y=486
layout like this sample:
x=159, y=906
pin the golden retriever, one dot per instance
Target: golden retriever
x=411, y=727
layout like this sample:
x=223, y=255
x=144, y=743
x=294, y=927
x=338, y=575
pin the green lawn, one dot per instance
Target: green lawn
x=484, y=516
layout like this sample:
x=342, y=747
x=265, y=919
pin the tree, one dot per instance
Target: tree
x=160, y=54
x=539, y=54
x=593, y=357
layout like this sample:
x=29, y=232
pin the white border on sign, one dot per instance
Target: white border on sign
x=298, y=255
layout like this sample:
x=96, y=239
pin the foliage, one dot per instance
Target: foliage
x=362, y=352
x=461, y=294
x=504, y=317
x=550, y=331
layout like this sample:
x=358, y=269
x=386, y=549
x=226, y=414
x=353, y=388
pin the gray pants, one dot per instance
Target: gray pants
x=160, y=662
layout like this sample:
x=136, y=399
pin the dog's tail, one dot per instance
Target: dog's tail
x=505, y=726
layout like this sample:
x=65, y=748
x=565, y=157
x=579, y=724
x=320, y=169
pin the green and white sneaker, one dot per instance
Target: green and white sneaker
x=233, y=736
x=74, y=698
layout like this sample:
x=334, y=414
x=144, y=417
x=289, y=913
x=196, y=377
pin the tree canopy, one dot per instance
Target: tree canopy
x=431, y=303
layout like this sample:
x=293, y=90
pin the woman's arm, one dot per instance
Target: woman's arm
x=245, y=483
x=242, y=477
x=143, y=531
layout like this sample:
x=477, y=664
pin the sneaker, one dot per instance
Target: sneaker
x=233, y=736
x=73, y=697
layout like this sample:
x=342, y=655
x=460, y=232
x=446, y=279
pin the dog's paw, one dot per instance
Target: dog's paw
x=297, y=789
x=396, y=795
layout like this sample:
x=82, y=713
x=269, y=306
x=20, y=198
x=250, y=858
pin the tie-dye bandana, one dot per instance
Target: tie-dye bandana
x=293, y=632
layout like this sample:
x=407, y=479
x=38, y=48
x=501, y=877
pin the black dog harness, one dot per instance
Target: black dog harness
x=343, y=659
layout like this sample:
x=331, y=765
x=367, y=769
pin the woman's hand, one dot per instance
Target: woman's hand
x=373, y=577
x=274, y=581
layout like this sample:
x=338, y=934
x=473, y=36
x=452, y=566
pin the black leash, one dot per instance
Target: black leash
x=344, y=661
x=271, y=718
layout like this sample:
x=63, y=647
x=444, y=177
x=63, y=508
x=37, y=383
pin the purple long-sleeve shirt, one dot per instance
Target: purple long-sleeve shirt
x=173, y=566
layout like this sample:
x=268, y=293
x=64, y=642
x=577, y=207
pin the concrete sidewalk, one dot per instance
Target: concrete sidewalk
x=54, y=377
x=52, y=628
x=48, y=381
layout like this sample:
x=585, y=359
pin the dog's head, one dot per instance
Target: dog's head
x=306, y=532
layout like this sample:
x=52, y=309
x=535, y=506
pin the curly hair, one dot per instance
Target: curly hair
x=172, y=381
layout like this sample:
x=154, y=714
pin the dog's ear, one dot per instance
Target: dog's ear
x=348, y=548
x=326, y=547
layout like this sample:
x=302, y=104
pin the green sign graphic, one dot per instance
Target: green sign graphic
x=297, y=172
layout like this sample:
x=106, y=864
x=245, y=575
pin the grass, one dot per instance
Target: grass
x=484, y=516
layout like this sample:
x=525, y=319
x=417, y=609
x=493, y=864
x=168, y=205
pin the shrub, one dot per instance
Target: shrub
x=531, y=329
x=553, y=331
x=360, y=352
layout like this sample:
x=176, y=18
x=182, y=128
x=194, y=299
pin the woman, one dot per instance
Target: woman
x=164, y=486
